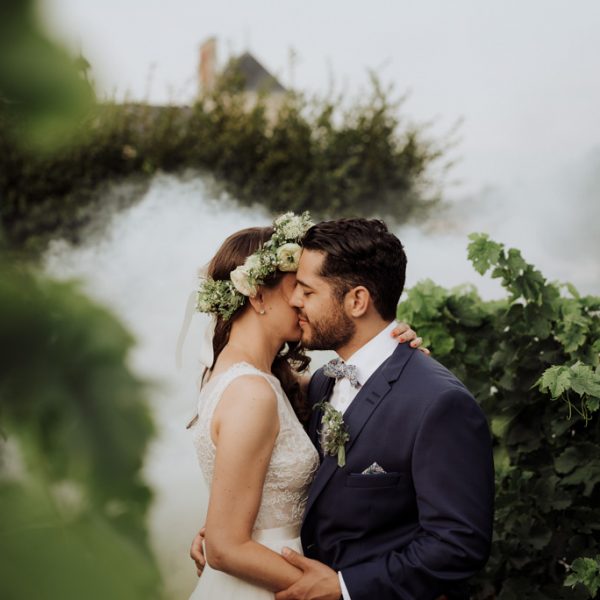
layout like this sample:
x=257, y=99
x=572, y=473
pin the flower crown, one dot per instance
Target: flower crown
x=281, y=252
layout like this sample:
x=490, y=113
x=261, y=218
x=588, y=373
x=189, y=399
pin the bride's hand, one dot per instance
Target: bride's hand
x=403, y=333
x=197, y=551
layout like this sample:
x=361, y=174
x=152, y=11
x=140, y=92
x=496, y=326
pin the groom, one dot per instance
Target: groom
x=410, y=513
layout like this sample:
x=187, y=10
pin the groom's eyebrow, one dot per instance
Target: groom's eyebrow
x=303, y=284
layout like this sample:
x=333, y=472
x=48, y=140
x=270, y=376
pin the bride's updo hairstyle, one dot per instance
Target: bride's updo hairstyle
x=291, y=359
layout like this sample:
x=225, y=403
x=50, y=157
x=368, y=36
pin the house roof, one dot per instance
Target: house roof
x=256, y=77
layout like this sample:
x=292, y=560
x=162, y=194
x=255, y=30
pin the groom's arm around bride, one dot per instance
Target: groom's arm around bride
x=421, y=529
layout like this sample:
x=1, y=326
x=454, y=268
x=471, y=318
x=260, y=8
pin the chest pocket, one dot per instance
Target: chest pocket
x=382, y=500
x=378, y=480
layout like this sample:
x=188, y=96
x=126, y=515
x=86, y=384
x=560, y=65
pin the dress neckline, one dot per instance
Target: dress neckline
x=237, y=364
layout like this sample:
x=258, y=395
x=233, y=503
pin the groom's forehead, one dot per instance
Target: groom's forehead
x=309, y=268
x=310, y=262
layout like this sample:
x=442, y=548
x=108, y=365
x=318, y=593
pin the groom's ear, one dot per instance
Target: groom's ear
x=357, y=301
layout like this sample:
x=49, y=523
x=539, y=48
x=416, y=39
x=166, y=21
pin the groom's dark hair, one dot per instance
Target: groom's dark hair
x=361, y=252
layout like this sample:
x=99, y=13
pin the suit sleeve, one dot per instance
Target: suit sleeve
x=453, y=475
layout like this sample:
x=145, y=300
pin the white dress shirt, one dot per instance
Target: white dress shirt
x=367, y=360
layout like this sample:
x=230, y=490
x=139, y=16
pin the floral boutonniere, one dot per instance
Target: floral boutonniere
x=334, y=433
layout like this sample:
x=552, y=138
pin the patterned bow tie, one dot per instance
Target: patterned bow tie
x=338, y=369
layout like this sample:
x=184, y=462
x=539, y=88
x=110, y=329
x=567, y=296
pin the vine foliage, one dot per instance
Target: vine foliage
x=531, y=360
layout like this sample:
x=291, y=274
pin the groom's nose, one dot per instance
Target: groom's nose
x=296, y=297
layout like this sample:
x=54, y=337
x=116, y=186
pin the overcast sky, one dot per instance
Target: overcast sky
x=524, y=75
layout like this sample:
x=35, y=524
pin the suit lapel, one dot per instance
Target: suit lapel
x=358, y=413
x=324, y=393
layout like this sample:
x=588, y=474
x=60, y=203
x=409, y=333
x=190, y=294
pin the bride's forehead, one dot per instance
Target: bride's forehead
x=288, y=280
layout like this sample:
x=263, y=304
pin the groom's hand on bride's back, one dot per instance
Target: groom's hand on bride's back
x=318, y=581
x=197, y=552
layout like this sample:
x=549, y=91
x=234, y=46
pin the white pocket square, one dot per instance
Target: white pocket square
x=374, y=469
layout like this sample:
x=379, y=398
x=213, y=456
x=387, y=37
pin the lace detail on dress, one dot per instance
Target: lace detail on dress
x=293, y=463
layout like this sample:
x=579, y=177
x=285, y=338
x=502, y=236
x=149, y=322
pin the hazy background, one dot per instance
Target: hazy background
x=522, y=77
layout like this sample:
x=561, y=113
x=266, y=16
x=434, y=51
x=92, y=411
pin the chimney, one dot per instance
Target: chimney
x=208, y=65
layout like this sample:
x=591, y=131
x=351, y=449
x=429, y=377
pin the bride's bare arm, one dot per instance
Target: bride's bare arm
x=245, y=426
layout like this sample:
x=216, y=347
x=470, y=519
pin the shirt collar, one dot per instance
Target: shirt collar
x=369, y=357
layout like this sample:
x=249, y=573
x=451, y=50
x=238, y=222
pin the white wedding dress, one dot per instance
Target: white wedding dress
x=293, y=464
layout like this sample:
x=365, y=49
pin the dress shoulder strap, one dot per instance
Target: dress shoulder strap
x=238, y=370
x=215, y=387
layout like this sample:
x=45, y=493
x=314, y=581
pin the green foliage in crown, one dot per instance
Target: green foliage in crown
x=532, y=361
x=281, y=252
x=218, y=297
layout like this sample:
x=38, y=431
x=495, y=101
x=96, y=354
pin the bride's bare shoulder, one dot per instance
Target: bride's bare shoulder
x=247, y=408
x=248, y=392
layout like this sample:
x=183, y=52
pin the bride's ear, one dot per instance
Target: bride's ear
x=258, y=303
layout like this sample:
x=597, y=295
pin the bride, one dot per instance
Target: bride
x=255, y=456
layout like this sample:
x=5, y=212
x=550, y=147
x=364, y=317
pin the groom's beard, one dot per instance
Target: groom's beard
x=330, y=332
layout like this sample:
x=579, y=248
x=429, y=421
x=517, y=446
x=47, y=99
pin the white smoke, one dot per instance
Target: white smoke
x=143, y=261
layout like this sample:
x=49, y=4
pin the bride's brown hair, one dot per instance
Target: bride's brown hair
x=291, y=358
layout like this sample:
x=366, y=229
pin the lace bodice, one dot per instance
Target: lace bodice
x=294, y=460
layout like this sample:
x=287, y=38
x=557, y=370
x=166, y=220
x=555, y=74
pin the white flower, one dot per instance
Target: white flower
x=239, y=278
x=281, y=218
x=288, y=256
x=252, y=263
x=294, y=229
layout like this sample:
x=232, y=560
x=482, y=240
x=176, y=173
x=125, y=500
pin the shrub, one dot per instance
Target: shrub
x=314, y=155
x=531, y=360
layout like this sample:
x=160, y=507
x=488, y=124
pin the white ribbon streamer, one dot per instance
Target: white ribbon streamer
x=206, y=322
x=185, y=327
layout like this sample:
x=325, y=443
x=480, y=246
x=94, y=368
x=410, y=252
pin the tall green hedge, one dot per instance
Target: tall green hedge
x=532, y=361
x=315, y=154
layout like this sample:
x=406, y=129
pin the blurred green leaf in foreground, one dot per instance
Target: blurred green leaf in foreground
x=43, y=92
x=74, y=427
x=74, y=423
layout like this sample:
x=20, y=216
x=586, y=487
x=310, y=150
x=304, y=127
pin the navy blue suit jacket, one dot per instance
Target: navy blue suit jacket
x=423, y=527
